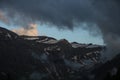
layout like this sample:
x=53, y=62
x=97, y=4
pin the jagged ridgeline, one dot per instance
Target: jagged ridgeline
x=46, y=58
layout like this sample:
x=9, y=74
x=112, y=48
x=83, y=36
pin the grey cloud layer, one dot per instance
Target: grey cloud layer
x=58, y=12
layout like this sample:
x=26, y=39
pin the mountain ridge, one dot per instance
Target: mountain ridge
x=44, y=58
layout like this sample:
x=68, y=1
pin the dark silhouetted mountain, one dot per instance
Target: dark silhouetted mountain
x=109, y=70
x=46, y=58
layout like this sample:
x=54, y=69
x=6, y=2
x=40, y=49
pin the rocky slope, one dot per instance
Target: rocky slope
x=46, y=58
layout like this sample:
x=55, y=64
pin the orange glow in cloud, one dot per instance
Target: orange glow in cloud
x=31, y=30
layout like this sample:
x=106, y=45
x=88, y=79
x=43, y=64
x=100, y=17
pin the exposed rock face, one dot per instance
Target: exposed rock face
x=45, y=58
x=7, y=35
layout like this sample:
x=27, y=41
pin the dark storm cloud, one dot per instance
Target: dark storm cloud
x=58, y=12
x=68, y=13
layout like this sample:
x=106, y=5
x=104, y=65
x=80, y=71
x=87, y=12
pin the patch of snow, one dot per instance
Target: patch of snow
x=78, y=45
x=51, y=41
x=8, y=35
x=92, y=46
x=32, y=38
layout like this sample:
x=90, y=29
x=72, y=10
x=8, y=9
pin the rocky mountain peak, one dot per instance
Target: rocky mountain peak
x=7, y=35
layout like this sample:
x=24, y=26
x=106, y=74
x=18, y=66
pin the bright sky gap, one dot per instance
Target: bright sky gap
x=78, y=35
